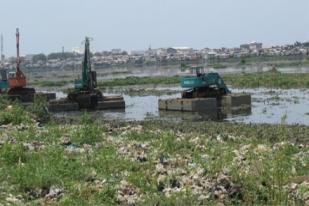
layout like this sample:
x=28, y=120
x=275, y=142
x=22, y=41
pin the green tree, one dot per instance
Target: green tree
x=39, y=57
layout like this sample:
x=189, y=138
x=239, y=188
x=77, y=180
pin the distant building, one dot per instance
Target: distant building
x=183, y=50
x=78, y=50
x=137, y=52
x=171, y=51
x=116, y=51
x=161, y=52
x=253, y=46
x=29, y=57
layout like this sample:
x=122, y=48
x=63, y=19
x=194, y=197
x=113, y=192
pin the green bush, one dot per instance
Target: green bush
x=40, y=108
x=11, y=154
x=14, y=114
x=88, y=133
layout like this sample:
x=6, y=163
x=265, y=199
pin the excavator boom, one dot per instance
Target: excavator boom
x=17, y=79
x=88, y=81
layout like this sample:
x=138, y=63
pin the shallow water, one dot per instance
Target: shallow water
x=272, y=106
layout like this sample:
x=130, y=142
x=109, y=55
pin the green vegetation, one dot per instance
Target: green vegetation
x=139, y=80
x=290, y=64
x=39, y=109
x=219, y=66
x=269, y=80
x=264, y=79
x=272, y=79
x=50, y=83
x=89, y=162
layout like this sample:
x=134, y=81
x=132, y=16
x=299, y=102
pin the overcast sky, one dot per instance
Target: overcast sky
x=47, y=25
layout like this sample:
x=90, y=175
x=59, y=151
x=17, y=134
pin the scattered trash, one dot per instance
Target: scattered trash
x=127, y=194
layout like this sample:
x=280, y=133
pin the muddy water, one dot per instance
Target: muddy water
x=268, y=106
x=277, y=106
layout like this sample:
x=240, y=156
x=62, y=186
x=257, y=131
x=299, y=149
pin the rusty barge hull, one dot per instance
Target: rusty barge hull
x=29, y=98
x=107, y=103
x=229, y=103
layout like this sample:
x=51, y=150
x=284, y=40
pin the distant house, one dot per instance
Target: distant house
x=171, y=51
x=253, y=46
x=184, y=50
x=116, y=51
x=78, y=50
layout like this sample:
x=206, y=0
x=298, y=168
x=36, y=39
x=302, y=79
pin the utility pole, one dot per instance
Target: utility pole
x=63, y=52
x=2, y=54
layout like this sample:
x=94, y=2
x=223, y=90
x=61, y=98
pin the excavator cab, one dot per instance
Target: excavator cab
x=17, y=79
x=203, y=84
x=4, y=84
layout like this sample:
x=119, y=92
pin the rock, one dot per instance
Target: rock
x=44, y=191
x=160, y=186
x=14, y=200
x=293, y=171
x=175, y=183
x=141, y=158
x=306, y=196
x=126, y=194
x=66, y=141
x=293, y=186
x=140, y=146
x=262, y=148
x=34, y=145
x=73, y=148
x=54, y=192
x=231, y=137
x=163, y=160
x=100, y=183
x=235, y=192
x=87, y=148
x=219, y=138
x=91, y=176
x=203, y=197
x=160, y=169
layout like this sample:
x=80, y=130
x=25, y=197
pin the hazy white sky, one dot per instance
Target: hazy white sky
x=47, y=25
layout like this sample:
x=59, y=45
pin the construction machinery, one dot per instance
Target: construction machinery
x=4, y=84
x=14, y=84
x=207, y=94
x=84, y=94
x=203, y=85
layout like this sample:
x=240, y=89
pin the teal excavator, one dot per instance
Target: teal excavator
x=85, y=92
x=203, y=85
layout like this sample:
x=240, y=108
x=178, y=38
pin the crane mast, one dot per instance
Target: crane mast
x=17, y=52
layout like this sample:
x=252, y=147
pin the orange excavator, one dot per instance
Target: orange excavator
x=17, y=80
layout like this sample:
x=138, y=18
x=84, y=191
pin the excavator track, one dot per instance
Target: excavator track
x=203, y=92
x=23, y=94
x=86, y=99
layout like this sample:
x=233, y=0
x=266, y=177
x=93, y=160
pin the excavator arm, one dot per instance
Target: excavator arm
x=88, y=81
x=17, y=79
